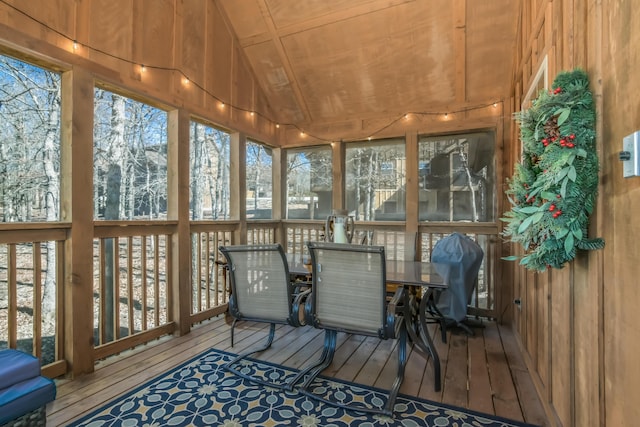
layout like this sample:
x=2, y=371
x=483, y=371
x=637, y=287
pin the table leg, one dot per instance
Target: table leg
x=416, y=326
x=426, y=338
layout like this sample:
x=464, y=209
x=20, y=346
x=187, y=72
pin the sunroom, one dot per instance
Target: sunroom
x=140, y=137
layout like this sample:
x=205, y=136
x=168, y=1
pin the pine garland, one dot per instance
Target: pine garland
x=553, y=191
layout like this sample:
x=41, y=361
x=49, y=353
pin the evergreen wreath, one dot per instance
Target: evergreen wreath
x=553, y=190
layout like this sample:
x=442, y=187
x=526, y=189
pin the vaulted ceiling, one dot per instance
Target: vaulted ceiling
x=321, y=61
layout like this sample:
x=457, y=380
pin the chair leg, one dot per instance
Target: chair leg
x=327, y=353
x=402, y=361
x=326, y=359
x=229, y=365
x=233, y=327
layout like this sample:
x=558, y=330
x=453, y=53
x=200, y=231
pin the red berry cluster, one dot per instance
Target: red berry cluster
x=566, y=141
x=552, y=208
x=556, y=90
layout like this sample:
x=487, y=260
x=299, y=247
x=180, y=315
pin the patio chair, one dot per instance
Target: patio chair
x=349, y=295
x=261, y=291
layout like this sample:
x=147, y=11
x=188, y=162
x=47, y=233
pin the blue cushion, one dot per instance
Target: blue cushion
x=17, y=366
x=24, y=397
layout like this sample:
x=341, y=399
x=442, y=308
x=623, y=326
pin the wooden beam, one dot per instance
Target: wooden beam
x=178, y=208
x=77, y=207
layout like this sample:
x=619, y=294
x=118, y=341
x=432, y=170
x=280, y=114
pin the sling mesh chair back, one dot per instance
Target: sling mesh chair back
x=349, y=295
x=261, y=291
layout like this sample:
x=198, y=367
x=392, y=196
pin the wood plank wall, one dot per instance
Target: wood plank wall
x=577, y=326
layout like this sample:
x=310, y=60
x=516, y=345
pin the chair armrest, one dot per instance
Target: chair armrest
x=397, y=306
x=298, y=301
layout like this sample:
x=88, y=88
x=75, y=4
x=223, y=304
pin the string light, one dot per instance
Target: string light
x=186, y=81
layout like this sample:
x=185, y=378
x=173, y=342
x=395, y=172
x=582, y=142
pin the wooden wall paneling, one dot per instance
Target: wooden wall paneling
x=219, y=58
x=587, y=343
x=192, y=46
x=521, y=295
x=110, y=30
x=561, y=350
x=77, y=207
x=242, y=93
x=543, y=326
x=153, y=37
x=591, y=391
x=621, y=202
x=558, y=33
x=459, y=46
x=528, y=306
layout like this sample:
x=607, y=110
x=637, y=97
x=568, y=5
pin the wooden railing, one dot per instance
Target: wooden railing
x=393, y=237
x=210, y=287
x=31, y=302
x=132, y=270
x=262, y=232
x=133, y=276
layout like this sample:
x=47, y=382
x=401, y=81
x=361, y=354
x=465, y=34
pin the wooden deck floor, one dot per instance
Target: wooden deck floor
x=484, y=372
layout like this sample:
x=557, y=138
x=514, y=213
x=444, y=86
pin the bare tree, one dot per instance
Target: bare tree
x=30, y=157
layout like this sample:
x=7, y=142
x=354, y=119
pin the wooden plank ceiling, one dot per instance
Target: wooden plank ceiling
x=324, y=61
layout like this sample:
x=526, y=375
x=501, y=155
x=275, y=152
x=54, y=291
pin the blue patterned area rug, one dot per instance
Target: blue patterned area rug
x=201, y=393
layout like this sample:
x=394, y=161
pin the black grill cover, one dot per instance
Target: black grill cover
x=457, y=259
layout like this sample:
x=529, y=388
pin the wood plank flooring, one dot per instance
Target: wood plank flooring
x=484, y=372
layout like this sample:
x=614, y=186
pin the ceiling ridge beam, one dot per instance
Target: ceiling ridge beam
x=320, y=21
x=277, y=42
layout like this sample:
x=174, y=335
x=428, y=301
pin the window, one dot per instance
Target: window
x=29, y=143
x=209, y=169
x=375, y=180
x=457, y=177
x=130, y=159
x=309, y=183
x=259, y=177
